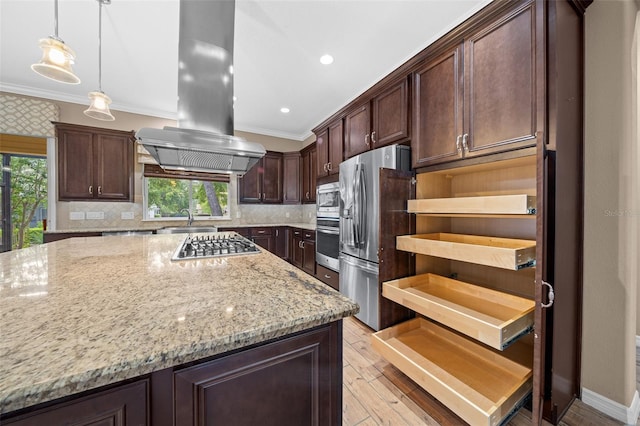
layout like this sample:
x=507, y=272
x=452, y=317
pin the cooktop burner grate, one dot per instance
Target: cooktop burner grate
x=214, y=245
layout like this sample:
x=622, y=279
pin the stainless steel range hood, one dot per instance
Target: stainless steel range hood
x=203, y=140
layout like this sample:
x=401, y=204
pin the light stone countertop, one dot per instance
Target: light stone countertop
x=85, y=312
x=303, y=225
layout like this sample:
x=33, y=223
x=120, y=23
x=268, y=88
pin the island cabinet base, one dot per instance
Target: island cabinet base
x=481, y=385
x=295, y=379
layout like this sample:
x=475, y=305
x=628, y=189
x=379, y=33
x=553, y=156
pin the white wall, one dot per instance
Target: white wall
x=612, y=209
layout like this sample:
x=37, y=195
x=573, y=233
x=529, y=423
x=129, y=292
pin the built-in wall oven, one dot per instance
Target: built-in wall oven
x=328, y=225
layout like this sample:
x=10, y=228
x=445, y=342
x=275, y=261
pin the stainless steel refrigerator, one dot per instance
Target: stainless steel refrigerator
x=360, y=195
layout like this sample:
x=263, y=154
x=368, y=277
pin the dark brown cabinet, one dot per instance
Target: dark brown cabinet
x=329, y=144
x=297, y=380
x=468, y=101
x=264, y=237
x=302, y=249
x=281, y=239
x=94, y=164
x=292, y=183
x=381, y=121
x=120, y=406
x=328, y=276
x=309, y=161
x=263, y=182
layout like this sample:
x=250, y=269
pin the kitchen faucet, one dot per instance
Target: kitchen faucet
x=189, y=216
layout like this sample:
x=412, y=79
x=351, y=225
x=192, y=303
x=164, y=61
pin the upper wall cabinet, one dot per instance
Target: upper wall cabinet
x=263, y=182
x=94, y=164
x=309, y=161
x=291, y=185
x=381, y=121
x=478, y=97
x=329, y=149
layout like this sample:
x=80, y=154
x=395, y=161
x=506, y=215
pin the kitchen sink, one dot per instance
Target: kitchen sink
x=186, y=229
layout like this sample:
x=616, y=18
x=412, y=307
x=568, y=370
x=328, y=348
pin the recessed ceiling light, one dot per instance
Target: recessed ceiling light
x=326, y=59
x=284, y=110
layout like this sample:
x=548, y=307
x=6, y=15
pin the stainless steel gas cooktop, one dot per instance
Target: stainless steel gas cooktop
x=214, y=245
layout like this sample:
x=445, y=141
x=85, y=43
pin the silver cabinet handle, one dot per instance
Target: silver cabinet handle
x=327, y=276
x=373, y=137
x=261, y=231
x=277, y=233
x=263, y=197
x=465, y=145
x=366, y=139
x=99, y=190
x=307, y=195
x=91, y=189
x=551, y=296
x=458, y=147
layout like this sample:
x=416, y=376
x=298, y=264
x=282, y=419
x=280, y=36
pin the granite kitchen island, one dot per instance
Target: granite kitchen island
x=101, y=327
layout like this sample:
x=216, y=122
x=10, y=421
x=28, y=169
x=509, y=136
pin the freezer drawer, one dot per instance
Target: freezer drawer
x=359, y=282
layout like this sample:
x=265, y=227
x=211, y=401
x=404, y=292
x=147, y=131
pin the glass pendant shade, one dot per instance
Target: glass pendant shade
x=56, y=61
x=99, y=108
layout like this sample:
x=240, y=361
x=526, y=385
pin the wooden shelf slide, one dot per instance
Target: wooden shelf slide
x=480, y=385
x=506, y=253
x=489, y=316
x=520, y=204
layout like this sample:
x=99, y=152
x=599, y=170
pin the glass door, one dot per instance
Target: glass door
x=5, y=205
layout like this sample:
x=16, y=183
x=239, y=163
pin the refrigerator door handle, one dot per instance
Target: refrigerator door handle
x=362, y=221
x=356, y=206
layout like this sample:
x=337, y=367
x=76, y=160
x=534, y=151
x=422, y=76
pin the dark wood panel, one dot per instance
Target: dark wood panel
x=501, y=101
x=322, y=147
x=437, y=110
x=395, y=220
x=336, y=142
x=328, y=276
x=281, y=240
x=356, y=131
x=390, y=115
x=75, y=164
x=113, y=166
x=120, y=406
x=309, y=164
x=272, y=178
x=250, y=185
x=292, y=178
x=296, y=380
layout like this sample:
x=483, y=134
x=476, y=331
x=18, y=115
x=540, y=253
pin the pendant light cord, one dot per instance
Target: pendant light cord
x=55, y=20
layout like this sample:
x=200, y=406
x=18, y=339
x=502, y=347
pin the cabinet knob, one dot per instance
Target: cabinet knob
x=373, y=137
x=307, y=195
x=329, y=166
x=99, y=190
x=91, y=189
x=458, y=147
x=327, y=276
x=366, y=139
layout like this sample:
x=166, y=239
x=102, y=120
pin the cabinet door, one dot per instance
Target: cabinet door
x=336, y=137
x=500, y=91
x=309, y=256
x=272, y=178
x=281, y=240
x=75, y=164
x=292, y=182
x=296, y=252
x=437, y=110
x=391, y=115
x=356, y=137
x=250, y=184
x=322, y=146
x=113, y=166
x=308, y=170
x=294, y=381
x=120, y=406
x=265, y=241
x=313, y=159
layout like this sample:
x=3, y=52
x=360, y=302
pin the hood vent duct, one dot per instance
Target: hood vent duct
x=203, y=140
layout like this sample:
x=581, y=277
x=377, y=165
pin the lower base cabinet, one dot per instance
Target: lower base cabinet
x=120, y=406
x=328, y=276
x=293, y=380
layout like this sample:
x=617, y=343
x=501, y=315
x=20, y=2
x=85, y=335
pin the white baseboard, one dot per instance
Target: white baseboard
x=627, y=415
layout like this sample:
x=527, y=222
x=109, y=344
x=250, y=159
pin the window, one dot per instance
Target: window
x=167, y=195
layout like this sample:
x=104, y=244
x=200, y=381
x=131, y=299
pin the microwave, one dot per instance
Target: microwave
x=328, y=200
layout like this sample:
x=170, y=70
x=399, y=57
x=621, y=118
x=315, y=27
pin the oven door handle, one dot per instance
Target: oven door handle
x=328, y=230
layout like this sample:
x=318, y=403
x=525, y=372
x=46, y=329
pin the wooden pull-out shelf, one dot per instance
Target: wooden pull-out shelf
x=480, y=385
x=504, y=253
x=489, y=316
x=520, y=204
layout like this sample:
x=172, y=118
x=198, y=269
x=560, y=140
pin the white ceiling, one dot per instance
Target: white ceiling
x=277, y=49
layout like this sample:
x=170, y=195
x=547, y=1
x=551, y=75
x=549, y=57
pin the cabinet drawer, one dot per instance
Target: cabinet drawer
x=328, y=276
x=481, y=385
x=309, y=235
x=489, y=316
x=258, y=231
x=507, y=253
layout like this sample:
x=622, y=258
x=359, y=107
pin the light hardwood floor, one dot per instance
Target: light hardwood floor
x=377, y=393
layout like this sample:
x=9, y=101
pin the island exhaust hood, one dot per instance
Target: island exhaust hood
x=203, y=140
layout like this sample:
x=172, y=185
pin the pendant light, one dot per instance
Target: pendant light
x=57, y=57
x=99, y=108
